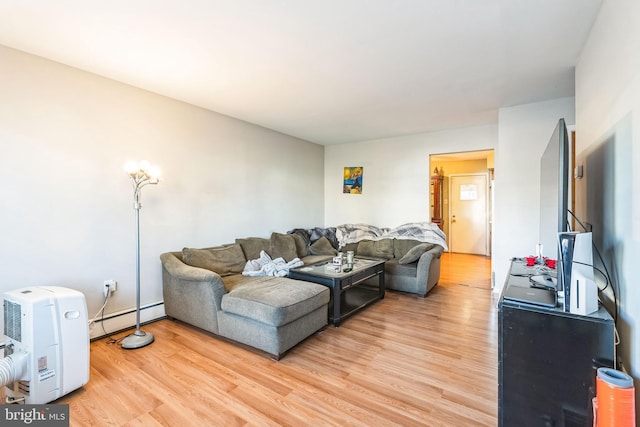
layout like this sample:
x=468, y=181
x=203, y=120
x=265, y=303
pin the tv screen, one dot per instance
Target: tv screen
x=554, y=190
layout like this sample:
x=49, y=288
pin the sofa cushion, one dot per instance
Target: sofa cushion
x=322, y=246
x=275, y=300
x=376, y=248
x=415, y=253
x=282, y=245
x=233, y=281
x=224, y=260
x=251, y=246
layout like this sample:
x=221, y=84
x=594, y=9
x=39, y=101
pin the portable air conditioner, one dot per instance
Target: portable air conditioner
x=46, y=348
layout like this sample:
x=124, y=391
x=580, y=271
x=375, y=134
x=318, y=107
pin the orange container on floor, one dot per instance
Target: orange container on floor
x=615, y=399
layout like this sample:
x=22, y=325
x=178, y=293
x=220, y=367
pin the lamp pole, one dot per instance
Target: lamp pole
x=141, y=174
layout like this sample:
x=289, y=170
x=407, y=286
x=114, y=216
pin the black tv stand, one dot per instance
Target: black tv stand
x=547, y=362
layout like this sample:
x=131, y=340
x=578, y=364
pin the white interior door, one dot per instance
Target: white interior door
x=468, y=214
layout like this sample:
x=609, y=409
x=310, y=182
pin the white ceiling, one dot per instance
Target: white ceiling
x=328, y=71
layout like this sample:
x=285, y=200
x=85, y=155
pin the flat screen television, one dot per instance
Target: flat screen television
x=554, y=191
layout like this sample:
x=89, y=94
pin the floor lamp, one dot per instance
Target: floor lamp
x=141, y=174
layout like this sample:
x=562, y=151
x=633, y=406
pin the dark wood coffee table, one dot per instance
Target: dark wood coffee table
x=350, y=291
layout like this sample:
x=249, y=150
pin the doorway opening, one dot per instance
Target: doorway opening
x=461, y=199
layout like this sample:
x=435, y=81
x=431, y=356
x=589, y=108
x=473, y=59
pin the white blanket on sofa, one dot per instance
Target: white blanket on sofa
x=421, y=231
x=265, y=266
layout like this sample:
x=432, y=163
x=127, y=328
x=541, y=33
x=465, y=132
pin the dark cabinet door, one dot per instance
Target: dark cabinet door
x=547, y=365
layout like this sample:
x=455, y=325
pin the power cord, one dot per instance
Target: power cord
x=607, y=276
x=100, y=313
x=604, y=276
x=101, y=310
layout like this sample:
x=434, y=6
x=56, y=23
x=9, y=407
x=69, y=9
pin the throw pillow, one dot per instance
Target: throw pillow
x=415, y=253
x=302, y=247
x=251, y=246
x=305, y=234
x=283, y=245
x=402, y=246
x=322, y=246
x=329, y=233
x=224, y=260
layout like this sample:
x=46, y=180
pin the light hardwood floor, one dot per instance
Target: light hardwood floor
x=404, y=361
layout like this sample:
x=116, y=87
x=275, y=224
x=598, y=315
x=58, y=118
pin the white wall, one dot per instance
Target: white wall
x=67, y=213
x=608, y=122
x=396, y=175
x=524, y=132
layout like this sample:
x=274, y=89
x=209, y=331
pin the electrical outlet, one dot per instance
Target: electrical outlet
x=109, y=286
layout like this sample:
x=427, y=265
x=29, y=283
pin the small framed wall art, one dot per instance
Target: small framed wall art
x=352, y=183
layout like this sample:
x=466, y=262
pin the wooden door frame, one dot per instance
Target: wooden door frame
x=572, y=176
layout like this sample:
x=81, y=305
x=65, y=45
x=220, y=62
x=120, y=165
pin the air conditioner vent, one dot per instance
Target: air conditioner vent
x=13, y=320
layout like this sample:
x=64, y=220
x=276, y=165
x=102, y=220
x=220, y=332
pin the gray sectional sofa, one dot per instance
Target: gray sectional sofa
x=206, y=288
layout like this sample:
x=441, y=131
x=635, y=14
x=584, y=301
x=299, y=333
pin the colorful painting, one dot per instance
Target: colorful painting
x=352, y=180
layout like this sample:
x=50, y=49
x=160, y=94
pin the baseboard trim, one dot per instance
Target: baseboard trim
x=125, y=319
